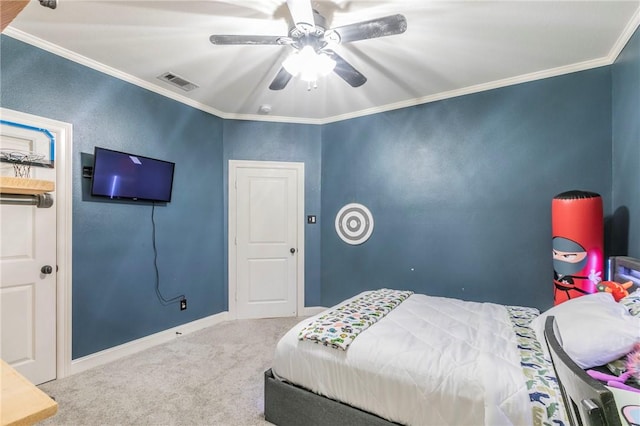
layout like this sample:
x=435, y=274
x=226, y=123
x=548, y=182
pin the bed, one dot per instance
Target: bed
x=427, y=361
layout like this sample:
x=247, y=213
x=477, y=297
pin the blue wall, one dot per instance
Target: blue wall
x=461, y=189
x=251, y=140
x=626, y=150
x=114, y=298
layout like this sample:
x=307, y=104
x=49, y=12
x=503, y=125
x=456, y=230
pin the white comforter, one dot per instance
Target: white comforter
x=431, y=361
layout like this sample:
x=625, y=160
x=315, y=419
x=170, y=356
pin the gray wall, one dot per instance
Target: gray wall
x=461, y=189
x=626, y=150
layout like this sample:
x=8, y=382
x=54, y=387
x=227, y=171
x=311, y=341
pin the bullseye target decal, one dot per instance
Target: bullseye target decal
x=354, y=224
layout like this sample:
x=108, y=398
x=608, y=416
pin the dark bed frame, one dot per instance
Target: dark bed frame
x=286, y=404
x=621, y=267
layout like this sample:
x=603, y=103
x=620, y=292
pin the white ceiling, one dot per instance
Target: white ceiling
x=450, y=48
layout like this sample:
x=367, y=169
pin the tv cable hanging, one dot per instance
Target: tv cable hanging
x=180, y=298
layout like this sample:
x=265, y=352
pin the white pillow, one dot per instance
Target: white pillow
x=594, y=329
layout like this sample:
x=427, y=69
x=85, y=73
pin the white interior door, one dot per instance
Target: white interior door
x=27, y=244
x=268, y=213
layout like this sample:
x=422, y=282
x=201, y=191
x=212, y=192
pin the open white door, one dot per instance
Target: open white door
x=28, y=263
x=266, y=238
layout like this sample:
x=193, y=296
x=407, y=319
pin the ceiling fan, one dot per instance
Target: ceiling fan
x=313, y=44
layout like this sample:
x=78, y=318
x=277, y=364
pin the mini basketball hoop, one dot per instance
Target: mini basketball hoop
x=21, y=161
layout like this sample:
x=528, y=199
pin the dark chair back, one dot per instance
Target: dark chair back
x=587, y=401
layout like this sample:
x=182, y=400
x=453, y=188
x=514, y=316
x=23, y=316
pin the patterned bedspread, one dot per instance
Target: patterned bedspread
x=338, y=327
x=542, y=384
x=431, y=361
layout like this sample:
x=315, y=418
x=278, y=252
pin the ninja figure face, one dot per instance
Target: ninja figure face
x=569, y=257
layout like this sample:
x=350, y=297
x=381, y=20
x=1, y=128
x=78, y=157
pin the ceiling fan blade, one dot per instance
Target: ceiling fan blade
x=302, y=14
x=346, y=71
x=381, y=27
x=281, y=80
x=247, y=39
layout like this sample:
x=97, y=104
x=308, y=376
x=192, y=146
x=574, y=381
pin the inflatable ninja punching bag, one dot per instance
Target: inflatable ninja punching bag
x=577, y=229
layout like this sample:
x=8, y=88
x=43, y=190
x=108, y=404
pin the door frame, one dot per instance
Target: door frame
x=63, y=160
x=234, y=165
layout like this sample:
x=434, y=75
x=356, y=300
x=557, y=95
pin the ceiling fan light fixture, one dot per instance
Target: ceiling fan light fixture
x=313, y=43
x=324, y=64
x=308, y=64
x=302, y=15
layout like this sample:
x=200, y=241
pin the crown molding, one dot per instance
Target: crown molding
x=613, y=54
x=625, y=36
x=98, y=66
x=483, y=87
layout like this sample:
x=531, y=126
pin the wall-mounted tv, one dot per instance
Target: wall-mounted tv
x=120, y=175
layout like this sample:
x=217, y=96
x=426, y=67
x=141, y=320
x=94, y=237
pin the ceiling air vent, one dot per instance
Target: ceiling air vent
x=178, y=81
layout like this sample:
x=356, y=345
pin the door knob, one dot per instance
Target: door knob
x=46, y=269
x=292, y=250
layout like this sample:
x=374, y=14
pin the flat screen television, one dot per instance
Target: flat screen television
x=120, y=175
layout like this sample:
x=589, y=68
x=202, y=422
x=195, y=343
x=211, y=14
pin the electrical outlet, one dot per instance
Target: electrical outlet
x=183, y=304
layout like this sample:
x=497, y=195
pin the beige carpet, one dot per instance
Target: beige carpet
x=210, y=377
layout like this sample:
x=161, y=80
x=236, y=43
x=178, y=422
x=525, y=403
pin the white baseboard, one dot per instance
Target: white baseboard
x=311, y=310
x=108, y=355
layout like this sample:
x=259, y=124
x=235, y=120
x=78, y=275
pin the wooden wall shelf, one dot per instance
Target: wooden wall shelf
x=25, y=186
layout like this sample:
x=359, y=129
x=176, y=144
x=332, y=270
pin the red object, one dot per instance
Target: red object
x=577, y=229
x=617, y=290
